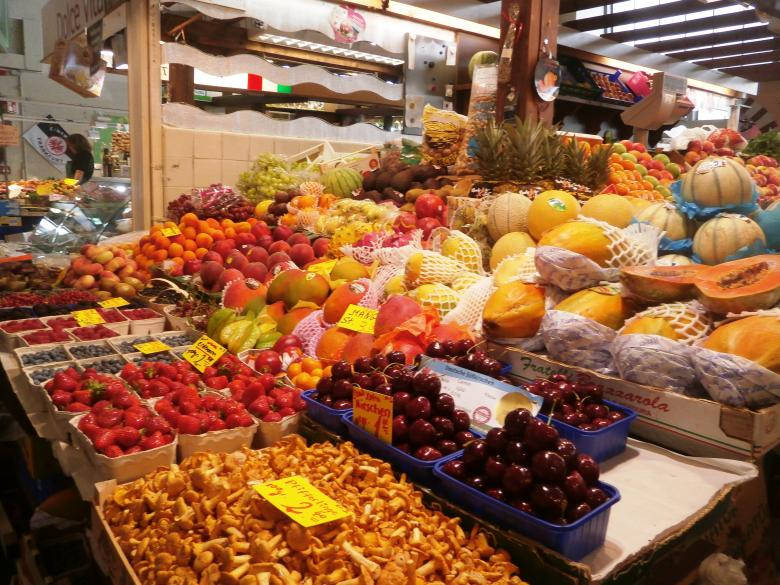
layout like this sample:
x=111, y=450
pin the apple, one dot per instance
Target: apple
x=286, y=342
x=269, y=361
x=405, y=222
x=619, y=148
x=709, y=146
x=695, y=146
x=427, y=225
x=428, y=205
x=192, y=266
x=674, y=169
x=212, y=256
x=321, y=246
x=638, y=146
x=662, y=157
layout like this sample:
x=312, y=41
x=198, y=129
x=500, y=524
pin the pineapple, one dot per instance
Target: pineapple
x=575, y=165
x=491, y=156
x=598, y=166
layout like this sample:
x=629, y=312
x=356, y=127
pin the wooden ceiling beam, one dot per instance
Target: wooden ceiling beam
x=684, y=27
x=755, y=32
x=574, y=5
x=767, y=72
x=727, y=50
x=732, y=60
x=645, y=14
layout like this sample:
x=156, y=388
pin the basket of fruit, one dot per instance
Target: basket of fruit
x=144, y=321
x=525, y=477
x=36, y=399
x=11, y=332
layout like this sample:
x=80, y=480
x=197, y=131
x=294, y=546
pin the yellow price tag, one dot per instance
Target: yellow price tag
x=297, y=498
x=151, y=347
x=88, y=317
x=322, y=268
x=203, y=353
x=374, y=413
x=360, y=319
x=113, y=302
x=44, y=189
x=169, y=232
x=70, y=182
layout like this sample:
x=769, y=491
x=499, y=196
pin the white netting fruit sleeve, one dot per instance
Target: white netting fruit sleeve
x=689, y=320
x=468, y=312
x=425, y=267
x=458, y=246
x=309, y=330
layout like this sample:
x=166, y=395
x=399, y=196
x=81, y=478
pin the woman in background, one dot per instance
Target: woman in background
x=82, y=163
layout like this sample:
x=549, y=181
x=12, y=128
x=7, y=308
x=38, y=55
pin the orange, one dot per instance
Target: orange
x=201, y=252
x=303, y=380
x=190, y=219
x=188, y=254
x=178, y=260
x=327, y=370
x=227, y=222
x=155, y=228
x=190, y=245
x=230, y=232
x=212, y=222
x=160, y=255
x=178, y=239
x=189, y=232
x=148, y=249
x=622, y=189
x=170, y=224
x=204, y=240
x=175, y=251
x=289, y=219
x=315, y=380
x=217, y=235
x=144, y=240
x=294, y=369
x=252, y=221
x=203, y=226
x=309, y=364
x=161, y=242
x=647, y=185
x=316, y=373
x=242, y=227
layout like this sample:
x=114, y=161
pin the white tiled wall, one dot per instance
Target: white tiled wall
x=198, y=158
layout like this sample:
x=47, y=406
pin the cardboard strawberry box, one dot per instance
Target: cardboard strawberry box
x=696, y=426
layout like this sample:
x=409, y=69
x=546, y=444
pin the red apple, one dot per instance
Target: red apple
x=265, y=241
x=279, y=246
x=269, y=361
x=192, y=266
x=320, y=247
x=260, y=229
x=257, y=254
x=281, y=232
x=405, y=222
x=297, y=238
x=638, y=146
x=286, y=342
x=695, y=145
x=428, y=205
x=212, y=256
x=427, y=225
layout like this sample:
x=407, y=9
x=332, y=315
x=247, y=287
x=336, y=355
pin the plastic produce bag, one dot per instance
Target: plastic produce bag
x=734, y=380
x=679, y=136
x=654, y=360
x=577, y=340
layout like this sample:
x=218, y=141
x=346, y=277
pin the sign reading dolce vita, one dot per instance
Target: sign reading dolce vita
x=66, y=19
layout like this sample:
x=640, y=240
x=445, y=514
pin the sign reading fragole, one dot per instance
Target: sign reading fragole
x=50, y=141
x=373, y=412
x=486, y=399
x=297, y=498
x=67, y=19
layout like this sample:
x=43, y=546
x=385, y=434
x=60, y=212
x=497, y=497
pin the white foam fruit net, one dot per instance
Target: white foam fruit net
x=689, y=320
x=312, y=188
x=309, y=330
x=465, y=280
x=436, y=295
x=307, y=219
x=376, y=289
x=468, y=312
x=384, y=255
x=636, y=245
x=458, y=246
x=518, y=267
x=426, y=267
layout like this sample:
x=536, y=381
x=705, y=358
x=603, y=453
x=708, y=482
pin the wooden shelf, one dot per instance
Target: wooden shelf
x=597, y=103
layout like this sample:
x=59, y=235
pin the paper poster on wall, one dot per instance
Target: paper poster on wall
x=347, y=24
x=48, y=140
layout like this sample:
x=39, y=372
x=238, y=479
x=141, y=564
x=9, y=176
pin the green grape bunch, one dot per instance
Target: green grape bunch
x=270, y=174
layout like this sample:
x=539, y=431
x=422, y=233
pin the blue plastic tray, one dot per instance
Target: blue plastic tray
x=601, y=444
x=573, y=540
x=415, y=469
x=330, y=418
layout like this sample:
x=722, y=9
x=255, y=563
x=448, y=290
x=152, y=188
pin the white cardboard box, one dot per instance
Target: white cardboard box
x=695, y=426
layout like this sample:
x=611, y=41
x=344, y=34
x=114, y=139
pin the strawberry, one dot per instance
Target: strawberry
x=272, y=417
x=286, y=411
x=136, y=418
x=217, y=425
x=158, y=424
x=153, y=441
x=127, y=437
x=109, y=418
x=77, y=407
x=260, y=407
x=130, y=371
x=298, y=403
x=267, y=380
x=217, y=382
x=83, y=396
x=125, y=399
x=158, y=388
x=113, y=451
x=244, y=420
x=133, y=449
x=189, y=425
x=283, y=400
x=210, y=372
x=63, y=381
x=104, y=439
x=61, y=398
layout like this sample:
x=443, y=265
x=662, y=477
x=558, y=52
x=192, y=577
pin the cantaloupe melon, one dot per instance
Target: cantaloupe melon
x=756, y=338
x=666, y=217
x=508, y=213
x=637, y=203
x=510, y=244
x=581, y=237
x=717, y=182
x=549, y=209
x=724, y=234
x=608, y=207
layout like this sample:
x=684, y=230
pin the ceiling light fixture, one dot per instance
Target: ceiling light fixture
x=320, y=48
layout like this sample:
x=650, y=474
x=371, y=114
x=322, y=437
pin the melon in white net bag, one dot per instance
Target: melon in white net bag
x=655, y=361
x=468, y=312
x=458, y=246
x=465, y=280
x=690, y=320
x=578, y=341
x=426, y=267
x=436, y=295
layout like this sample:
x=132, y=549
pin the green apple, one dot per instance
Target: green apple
x=629, y=156
x=663, y=158
x=652, y=180
x=641, y=168
x=673, y=168
x=619, y=148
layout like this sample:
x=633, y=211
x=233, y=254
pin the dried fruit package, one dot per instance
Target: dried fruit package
x=577, y=340
x=482, y=110
x=442, y=135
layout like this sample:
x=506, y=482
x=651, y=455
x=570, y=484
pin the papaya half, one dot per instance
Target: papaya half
x=749, y=284
x=661, y=284
x=603, y=304
x=756, y=338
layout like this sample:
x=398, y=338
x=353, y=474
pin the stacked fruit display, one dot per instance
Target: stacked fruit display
x=269, y=175
x=527, y=464
x=192, y=414
x=636, y=173
x=154, y=379
x=765, y=174
x=107, y=271
x=216, y=201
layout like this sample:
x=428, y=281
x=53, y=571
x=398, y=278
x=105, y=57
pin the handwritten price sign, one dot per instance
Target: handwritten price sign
x=360, y=319
x=113, y=303
x=88, y=317
x=151, y=347
x=203, y=353
x=301, y=501
x=169, y=232
x=374, y=413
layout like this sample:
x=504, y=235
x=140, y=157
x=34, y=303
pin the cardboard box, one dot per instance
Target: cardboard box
x=694, y=426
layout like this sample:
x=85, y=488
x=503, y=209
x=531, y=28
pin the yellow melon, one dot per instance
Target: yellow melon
x=549, y=209
x=717, y=182
x=581, y=237
x=724, y=234
x=668, y=218
x=508, y=213
x=515, y=309
x=637, y=204
x=613, y=209
x=510, y=244
x=603, y=304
